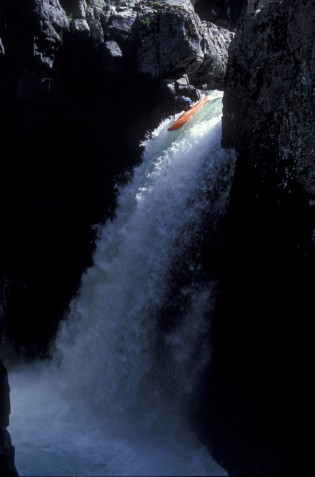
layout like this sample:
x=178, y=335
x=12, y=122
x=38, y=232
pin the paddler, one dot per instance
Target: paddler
x=186, y=101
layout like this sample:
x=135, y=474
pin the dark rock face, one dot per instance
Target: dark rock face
x=261, y=331
x=60, y=170
x=7, y=468
x=69, y=133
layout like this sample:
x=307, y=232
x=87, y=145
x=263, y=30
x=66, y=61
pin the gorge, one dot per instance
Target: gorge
x=82, y=84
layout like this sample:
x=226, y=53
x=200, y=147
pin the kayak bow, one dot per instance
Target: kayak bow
x=183, y=118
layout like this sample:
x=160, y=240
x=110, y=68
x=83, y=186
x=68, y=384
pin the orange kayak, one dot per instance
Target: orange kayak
x=183, y=118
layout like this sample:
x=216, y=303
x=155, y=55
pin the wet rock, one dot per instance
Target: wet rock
x=268, y=263
x=7, y=467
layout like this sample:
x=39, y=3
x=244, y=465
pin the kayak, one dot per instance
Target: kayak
x=183, y=118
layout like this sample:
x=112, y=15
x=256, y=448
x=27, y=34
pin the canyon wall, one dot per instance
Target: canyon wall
x=258, y=387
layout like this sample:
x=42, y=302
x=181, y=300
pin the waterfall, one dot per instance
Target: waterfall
x=112, y=400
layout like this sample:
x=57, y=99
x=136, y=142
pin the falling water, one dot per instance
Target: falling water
x=111, y=401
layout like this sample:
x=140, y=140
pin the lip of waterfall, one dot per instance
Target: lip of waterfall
x=112, y=400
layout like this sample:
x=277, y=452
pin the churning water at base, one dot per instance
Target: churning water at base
x=111, y=402
x=54, y=437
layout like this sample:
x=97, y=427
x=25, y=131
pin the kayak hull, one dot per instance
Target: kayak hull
x=183, y=118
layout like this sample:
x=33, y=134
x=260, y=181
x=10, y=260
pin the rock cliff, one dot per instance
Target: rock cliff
x=261, y=334
x=7, y=468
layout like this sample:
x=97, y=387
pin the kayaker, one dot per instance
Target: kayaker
x=186, y=101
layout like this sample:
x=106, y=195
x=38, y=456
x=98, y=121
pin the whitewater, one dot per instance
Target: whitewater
x=111, y=400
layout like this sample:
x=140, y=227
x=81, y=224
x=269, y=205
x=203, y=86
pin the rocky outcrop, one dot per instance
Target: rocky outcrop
x=281, y=89
x=149, y=37
x=173, y=38
x=7, y=468
x=261, y=331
